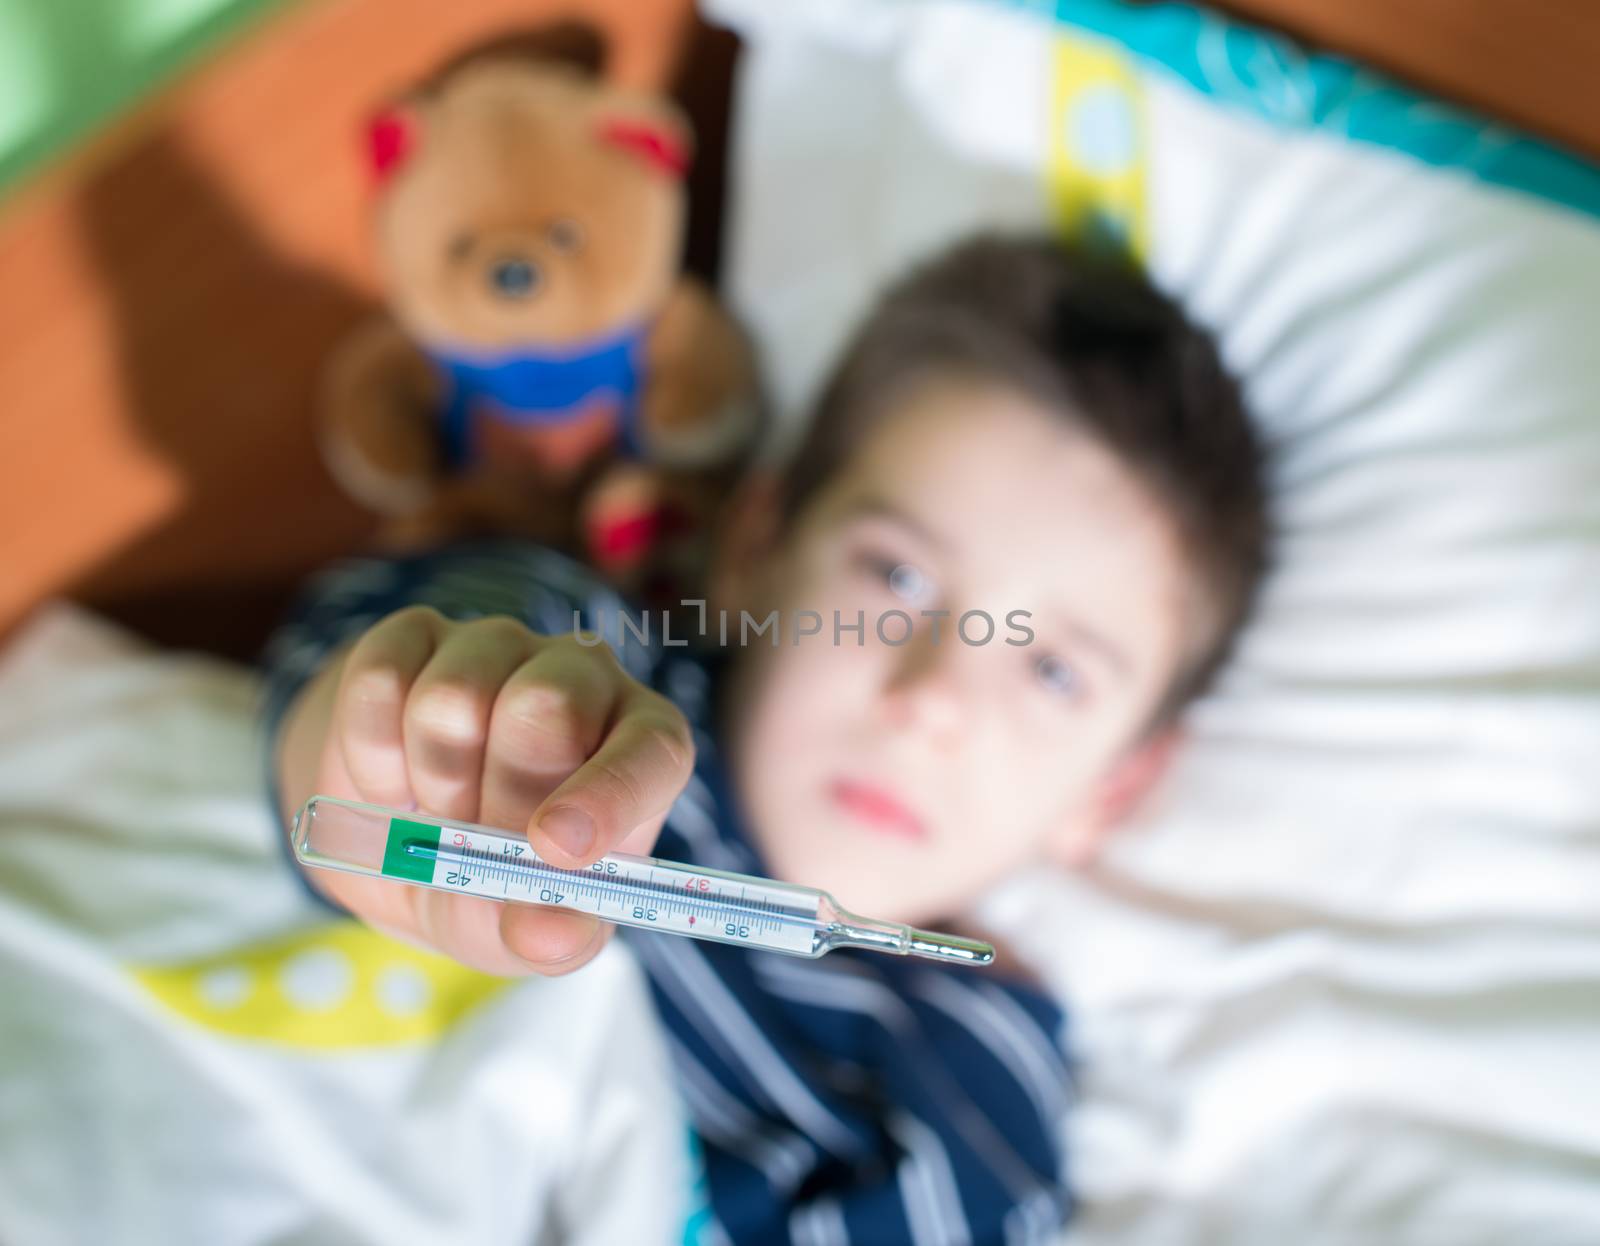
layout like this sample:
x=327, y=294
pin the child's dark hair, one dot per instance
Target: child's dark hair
x=1085, y=334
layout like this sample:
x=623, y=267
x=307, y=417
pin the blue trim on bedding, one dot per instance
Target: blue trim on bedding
x=699, y=1226
x=1276, y=78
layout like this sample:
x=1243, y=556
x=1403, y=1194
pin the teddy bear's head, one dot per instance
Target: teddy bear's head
x=526, y=203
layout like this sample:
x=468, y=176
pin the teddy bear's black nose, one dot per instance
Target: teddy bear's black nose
x=513, y=278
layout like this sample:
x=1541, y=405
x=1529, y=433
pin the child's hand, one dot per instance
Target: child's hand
x=488, y=722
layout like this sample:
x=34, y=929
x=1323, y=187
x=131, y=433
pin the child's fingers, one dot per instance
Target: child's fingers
x=373, y=687
x=506, y=939
x=549, y=717
x=630, y=782
x=552, y=941
x=415, y=719
x=447, y=715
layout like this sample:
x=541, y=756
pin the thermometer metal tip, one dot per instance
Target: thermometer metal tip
x=951, y=948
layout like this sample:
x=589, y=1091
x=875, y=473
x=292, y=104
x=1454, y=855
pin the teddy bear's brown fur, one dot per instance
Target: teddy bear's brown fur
x=526, y=207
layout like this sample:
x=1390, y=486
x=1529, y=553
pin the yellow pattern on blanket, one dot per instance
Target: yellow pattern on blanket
x=335, y=985
x=1096, y=168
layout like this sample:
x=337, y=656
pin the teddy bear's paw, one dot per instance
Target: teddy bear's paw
x=373, y=428
x=719, y=435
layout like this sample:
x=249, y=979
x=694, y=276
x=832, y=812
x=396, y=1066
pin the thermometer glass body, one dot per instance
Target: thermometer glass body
x=652, y=894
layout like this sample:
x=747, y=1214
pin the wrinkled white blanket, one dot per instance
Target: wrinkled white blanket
x=193, y=1052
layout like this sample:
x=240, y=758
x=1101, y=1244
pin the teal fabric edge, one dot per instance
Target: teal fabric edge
x=698, y=1222
x=1274, y=77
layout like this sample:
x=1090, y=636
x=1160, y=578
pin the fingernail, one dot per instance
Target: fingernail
x=556, y=968
x=583, y=952
x=570, y=829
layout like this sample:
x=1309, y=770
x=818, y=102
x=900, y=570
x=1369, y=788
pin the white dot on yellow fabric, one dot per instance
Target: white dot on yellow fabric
x=1101, y=129
x=336, y=985
x=317, y=980
x=402, y=990
x=227, y=987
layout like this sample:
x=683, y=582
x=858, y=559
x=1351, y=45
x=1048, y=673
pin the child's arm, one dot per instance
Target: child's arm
x=488, y=722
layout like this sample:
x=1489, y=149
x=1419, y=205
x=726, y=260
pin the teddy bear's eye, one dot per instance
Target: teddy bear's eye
x=513, y=277
x=565, y=234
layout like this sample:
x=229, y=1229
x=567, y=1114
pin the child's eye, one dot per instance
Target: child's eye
x=1056, y=675
x=905, y=580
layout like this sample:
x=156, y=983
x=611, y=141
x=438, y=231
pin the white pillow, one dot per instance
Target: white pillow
x=1342, y=981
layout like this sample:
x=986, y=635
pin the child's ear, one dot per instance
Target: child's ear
x=1115, y=798
x=746, y=534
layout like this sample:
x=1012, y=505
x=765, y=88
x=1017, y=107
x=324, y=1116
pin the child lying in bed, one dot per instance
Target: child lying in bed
x=1018, y=537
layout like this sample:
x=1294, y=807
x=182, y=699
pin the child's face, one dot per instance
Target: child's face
x=907, y=778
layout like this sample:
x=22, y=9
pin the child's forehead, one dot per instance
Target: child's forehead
x=972, y=440
x=988, y=480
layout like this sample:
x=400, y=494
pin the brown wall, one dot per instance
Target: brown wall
x=1533, y=62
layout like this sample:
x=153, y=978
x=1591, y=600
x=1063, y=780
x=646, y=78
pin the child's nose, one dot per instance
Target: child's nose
x=924, y=690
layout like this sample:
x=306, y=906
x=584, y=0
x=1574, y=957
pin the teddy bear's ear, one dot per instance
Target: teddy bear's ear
x=658, y=139
x=391, y=138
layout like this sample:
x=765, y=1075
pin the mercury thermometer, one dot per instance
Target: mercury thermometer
x=645, y=892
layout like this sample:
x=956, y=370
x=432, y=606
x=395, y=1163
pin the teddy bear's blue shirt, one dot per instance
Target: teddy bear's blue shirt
x=540, y=388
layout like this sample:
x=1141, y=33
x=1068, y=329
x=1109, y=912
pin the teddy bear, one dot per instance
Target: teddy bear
x=544, y=369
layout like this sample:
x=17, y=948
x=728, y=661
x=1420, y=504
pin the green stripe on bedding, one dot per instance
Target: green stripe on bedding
x=68, y=67
x=1274, y=77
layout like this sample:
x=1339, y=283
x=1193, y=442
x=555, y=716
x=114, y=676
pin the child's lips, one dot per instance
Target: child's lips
x=878, y=809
